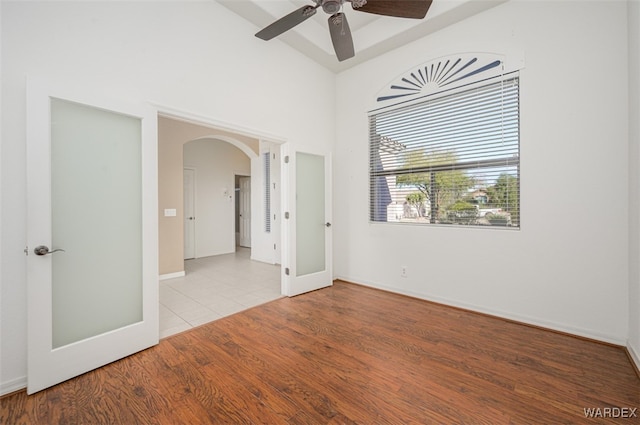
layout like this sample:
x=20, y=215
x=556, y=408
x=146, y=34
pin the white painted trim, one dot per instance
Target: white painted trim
x=552, y=326
x=172, y=275
x=13, y=385
x=262, y=260
x=190, y=117
x=635, y=356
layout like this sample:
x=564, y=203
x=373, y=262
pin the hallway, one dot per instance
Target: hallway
x=215, y=287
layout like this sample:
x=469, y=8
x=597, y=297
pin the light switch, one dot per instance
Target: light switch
x=170, y=212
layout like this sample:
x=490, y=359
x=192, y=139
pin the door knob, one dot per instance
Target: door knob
x=44, y=250
x=328, y=224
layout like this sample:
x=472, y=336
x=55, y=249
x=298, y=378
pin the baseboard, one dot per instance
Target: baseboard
x=551, y=326
x=172, y=275
x=12, y=386
x=634, y=357
x=262, y=260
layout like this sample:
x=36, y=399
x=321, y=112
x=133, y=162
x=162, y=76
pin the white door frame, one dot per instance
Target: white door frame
x=261, y=251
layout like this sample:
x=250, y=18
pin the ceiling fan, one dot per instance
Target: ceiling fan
x=338, y=25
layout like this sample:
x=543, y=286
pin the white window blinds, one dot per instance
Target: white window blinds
x=266, y=166
x=452, y=159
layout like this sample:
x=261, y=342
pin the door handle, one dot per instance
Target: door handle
x=327, y=224
x=44, y=250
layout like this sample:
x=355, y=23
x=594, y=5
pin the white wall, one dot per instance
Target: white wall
x=216, y=163
x=634, y=180
x=195, y=57
x=570, y=273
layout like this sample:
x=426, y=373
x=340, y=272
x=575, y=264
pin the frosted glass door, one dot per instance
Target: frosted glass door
x=310, y=214
x=92, y=226
x=96, y=201
x=306, y=258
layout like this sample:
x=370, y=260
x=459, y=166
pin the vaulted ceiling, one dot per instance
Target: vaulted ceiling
x=373, y=35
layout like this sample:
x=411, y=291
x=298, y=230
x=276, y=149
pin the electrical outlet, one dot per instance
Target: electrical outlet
x=403, y=271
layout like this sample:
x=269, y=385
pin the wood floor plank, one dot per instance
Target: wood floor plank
x=326, y=374
x=347, y=355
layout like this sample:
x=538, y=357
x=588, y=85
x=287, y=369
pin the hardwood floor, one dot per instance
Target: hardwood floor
x=348, y=354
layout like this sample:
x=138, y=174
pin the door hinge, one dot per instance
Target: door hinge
x=286, y=159
x=286, y=271
x=286, y=215
x=26, y=250
x=274, y=246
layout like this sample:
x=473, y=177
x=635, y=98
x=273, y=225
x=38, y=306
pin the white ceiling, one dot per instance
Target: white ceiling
x=373, y=35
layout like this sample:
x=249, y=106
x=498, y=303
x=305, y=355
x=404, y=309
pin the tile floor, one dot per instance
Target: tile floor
x=215, y=287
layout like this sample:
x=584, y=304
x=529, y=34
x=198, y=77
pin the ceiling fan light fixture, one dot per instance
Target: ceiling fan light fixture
x=331, y=6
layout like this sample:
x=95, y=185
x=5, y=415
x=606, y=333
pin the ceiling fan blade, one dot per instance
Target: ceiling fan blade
x=416, y=9
x=287, y=22
x=341, y=36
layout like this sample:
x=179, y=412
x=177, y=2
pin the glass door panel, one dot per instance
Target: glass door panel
x=96, y=201
x=310, y=214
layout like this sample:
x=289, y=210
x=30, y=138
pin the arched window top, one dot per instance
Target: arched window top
x=442, y=74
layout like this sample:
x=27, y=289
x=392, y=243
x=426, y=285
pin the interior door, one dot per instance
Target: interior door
x=245, y=211
x=92, y=265
x=189, y=213
x=307, y=226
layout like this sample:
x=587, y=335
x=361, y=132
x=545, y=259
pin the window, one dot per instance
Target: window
x=266, y=166
x=449, y=159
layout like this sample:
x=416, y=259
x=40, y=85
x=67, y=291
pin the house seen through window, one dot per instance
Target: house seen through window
x=452, y=158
